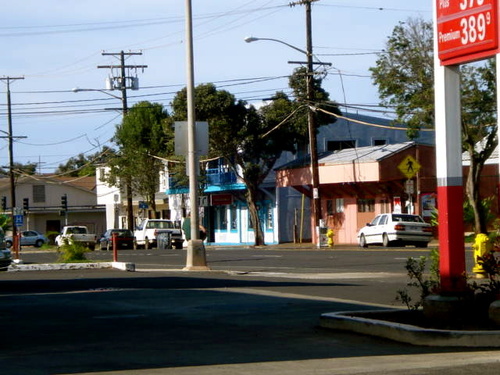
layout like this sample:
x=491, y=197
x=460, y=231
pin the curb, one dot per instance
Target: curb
x=348, y=321
x=123, y=266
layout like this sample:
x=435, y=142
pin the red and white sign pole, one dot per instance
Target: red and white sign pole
x=449, y=178
x=465, y=31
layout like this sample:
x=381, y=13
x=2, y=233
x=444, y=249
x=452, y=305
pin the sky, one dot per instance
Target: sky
x=57, y=45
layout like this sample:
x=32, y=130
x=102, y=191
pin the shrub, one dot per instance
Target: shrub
x=425, y=284
x=72, y=253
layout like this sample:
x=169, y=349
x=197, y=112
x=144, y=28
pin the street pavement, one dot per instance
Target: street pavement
x=256, y=312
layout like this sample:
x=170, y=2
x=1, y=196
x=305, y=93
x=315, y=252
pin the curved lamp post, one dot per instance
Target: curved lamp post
x=123, y=99
x=311, y=124
x=250, y=39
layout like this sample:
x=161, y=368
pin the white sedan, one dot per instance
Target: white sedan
x=388, y=229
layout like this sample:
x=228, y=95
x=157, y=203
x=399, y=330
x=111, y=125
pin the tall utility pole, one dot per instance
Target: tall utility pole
x=196, y=256
x=122, y=83
x=311, y=121
x=11, y=165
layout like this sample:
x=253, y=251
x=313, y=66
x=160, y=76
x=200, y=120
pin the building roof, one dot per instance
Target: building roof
x=364, y=154
x=85, y=183
x=348, y=155
x=493, y=159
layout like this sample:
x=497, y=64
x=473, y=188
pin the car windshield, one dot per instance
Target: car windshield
x=122, y=233
x=77, y=230
x=407, y=218
x=160, y=225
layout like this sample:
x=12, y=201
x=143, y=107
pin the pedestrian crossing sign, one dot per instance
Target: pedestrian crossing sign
x=409, y=166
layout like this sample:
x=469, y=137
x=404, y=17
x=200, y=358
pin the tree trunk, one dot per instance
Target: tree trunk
x=472, y=190
x=254, y=215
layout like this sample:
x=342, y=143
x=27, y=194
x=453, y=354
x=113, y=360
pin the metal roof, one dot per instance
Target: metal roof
x=364, y=154
x=349, y=155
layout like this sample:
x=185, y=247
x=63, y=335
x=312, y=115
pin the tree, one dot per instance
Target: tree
x=20, y=169
x=83, y=165
x=143, y=134
x=404, y=75
x=251, y=140
x=479, y=131
x=236, y=134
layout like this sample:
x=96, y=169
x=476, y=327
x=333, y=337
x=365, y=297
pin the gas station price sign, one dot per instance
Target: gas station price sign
x=467, y=30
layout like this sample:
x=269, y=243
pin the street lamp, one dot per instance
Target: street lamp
x=250, y=39
x=311, y=125
x=79, y=89
x=123, y=98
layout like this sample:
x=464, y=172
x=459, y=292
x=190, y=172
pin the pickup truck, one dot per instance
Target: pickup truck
x=76, y=234
x=146, y=232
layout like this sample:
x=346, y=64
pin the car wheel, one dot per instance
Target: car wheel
x=8, y=244
x=362, y=241
x=385, y=240
x=178, y=245
x=422, y=244
x=39, y=243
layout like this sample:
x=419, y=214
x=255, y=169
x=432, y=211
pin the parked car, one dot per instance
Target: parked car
x=28, y=238
x=72, y=234
x=5, y=259
x=5, y=254
x=389, y=229
x=124, y=239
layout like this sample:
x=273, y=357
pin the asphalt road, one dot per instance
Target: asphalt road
x=256, y=313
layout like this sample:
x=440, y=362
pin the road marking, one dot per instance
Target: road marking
x=321, y=276
x=272, y=293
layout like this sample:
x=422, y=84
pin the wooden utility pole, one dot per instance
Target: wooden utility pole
x=122, y=83
x=312, y=123
x=15, y=243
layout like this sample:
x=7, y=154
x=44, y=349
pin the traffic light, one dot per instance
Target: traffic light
x=26, y=204
x=64, y=202
x=4, y=203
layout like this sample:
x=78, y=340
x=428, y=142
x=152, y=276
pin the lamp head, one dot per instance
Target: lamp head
x=250, y=39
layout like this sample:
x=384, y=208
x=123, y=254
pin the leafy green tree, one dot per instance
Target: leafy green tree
x=20, y=169
x=5, y=222
x=301, y=102
x=404, y=74
x=236, y=134
x=83, y=165
x=478, y=128
x=143, y=136
x=251, y=140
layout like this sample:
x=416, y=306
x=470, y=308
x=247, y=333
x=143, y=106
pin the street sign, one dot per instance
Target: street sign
x=409, y=187
x=18, y=220
x=467, y=30
x=409, y=166
x=203, y=200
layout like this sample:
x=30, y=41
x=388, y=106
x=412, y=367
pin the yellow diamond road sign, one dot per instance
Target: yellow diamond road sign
x=409, y=166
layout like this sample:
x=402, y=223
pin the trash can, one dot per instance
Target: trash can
x=164, y=240
x=323, y=236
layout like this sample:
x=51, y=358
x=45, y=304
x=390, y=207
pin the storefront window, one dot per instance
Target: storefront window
x=269, y=218
x=234, y=218
x=221, y=218
x=366, y=205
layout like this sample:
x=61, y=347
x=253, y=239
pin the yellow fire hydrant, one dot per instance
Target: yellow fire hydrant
x=482, y=246
x=330, y=234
